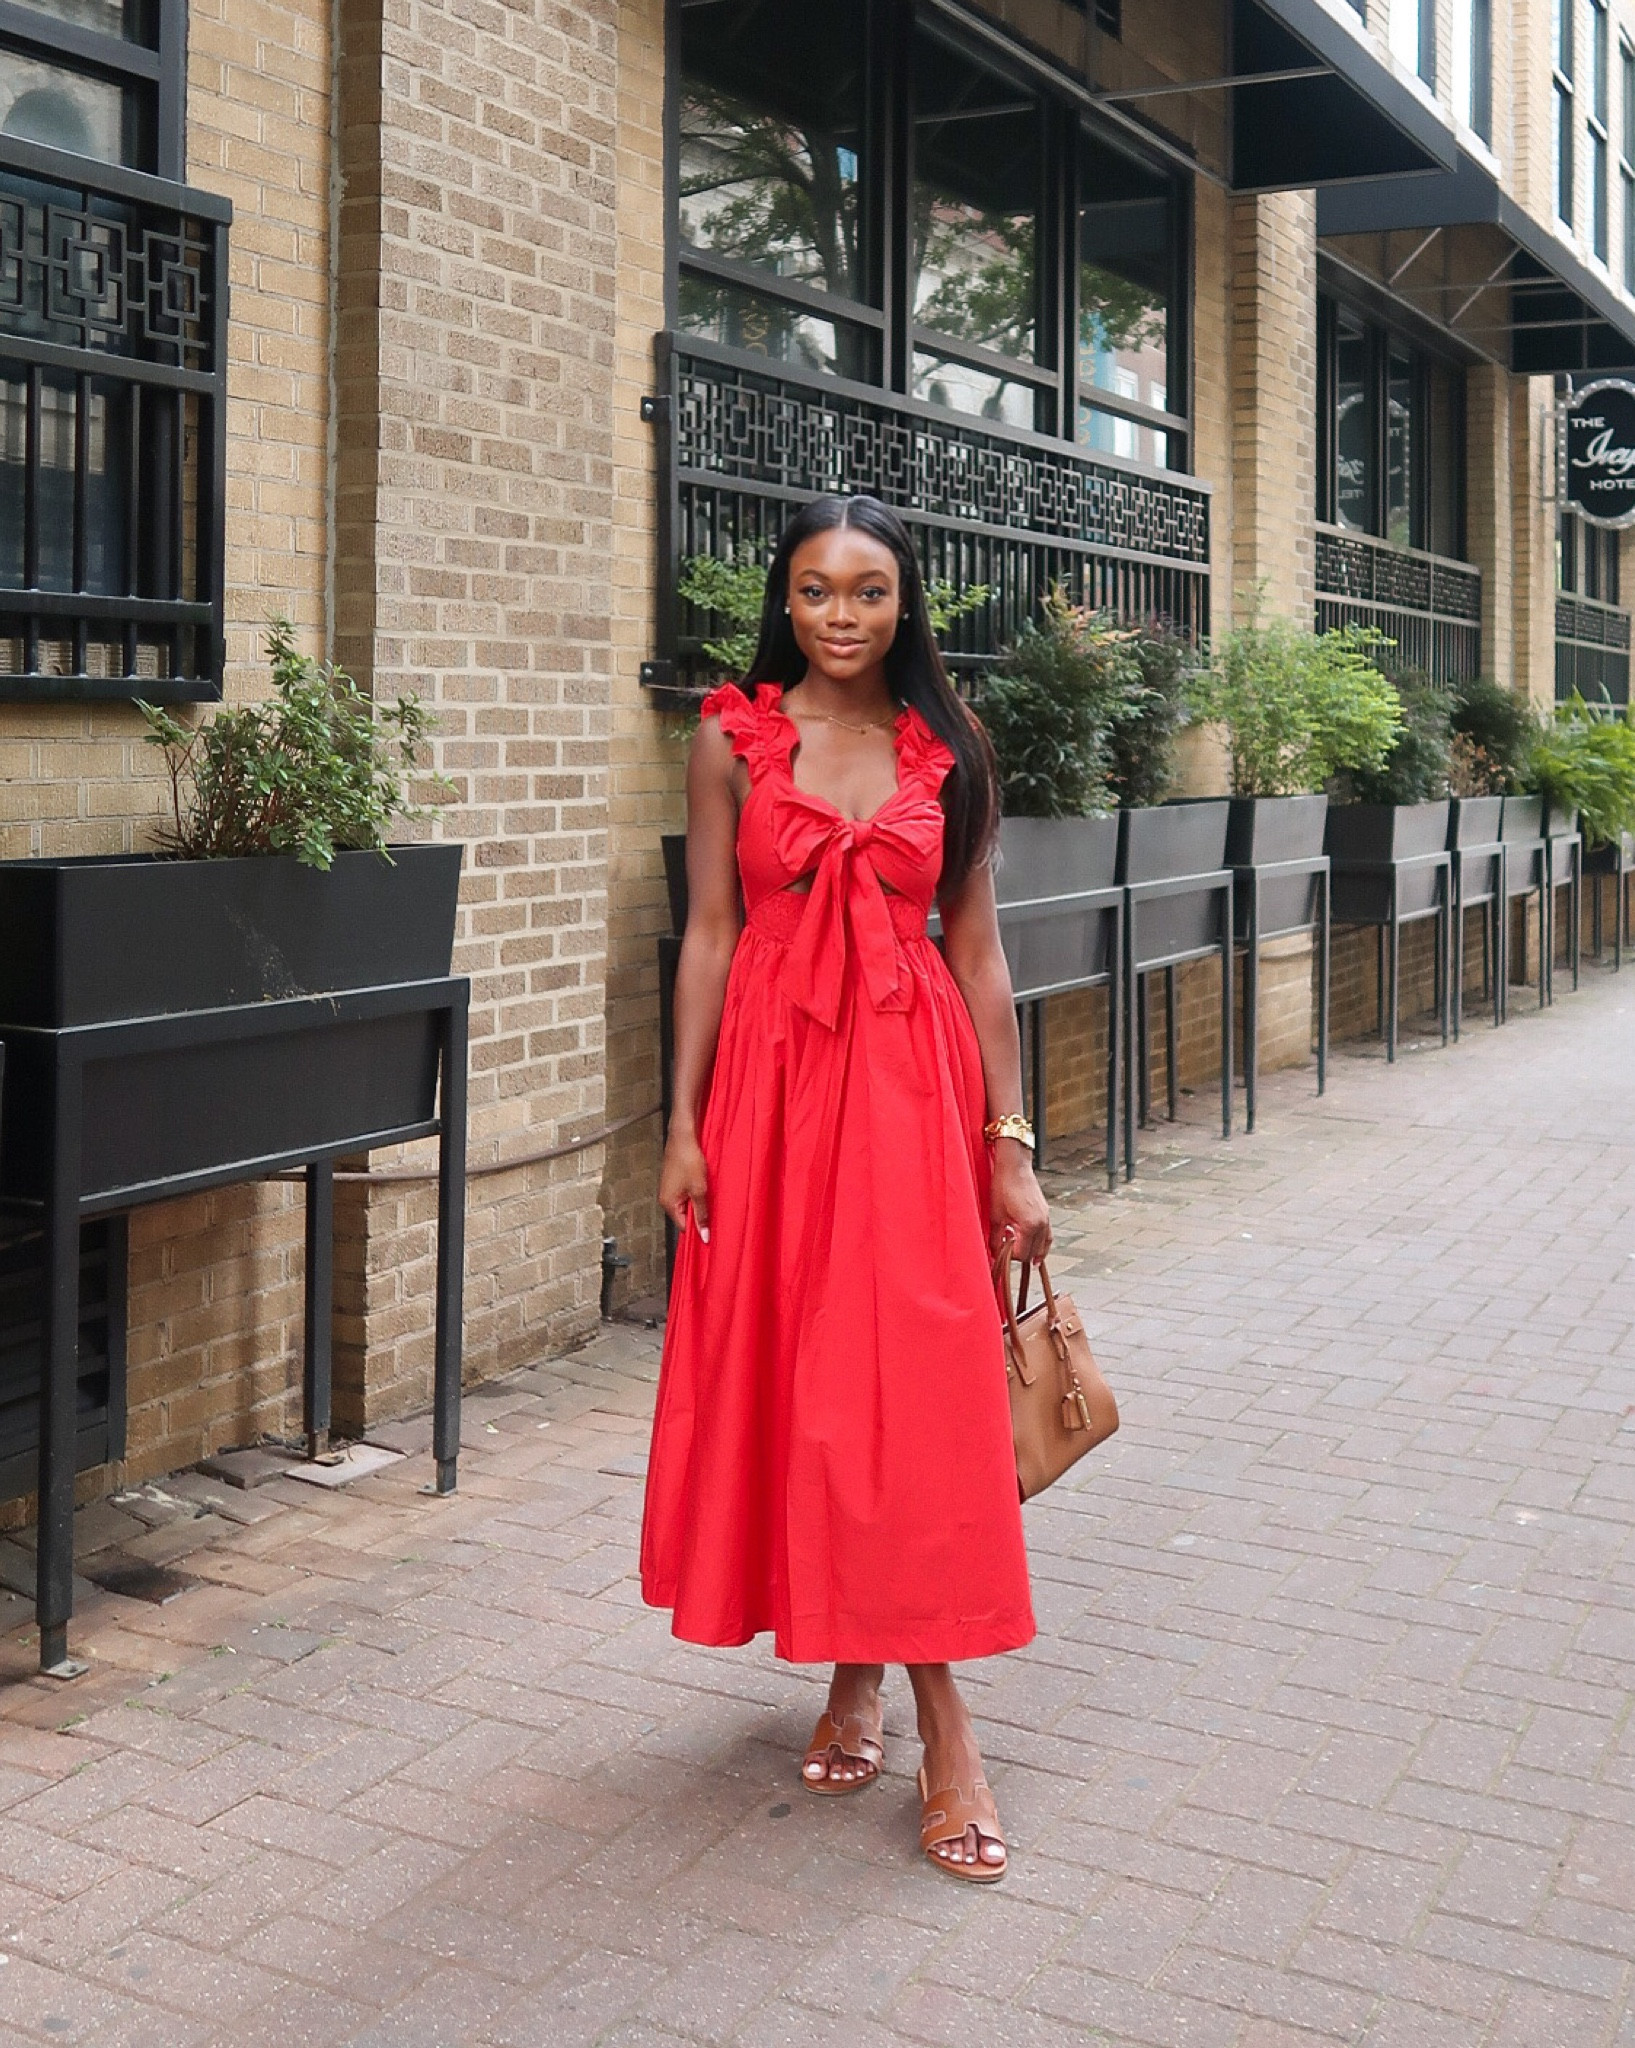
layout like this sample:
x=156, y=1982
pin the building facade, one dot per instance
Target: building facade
x=453, y=331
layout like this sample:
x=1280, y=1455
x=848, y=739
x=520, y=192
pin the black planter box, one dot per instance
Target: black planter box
x=205, y=957
x=1523, y=819
x=1164, y=842
x=1605, y=858
x=1260, y=832
x=1068, y=945
x=1475, y=821
x=1363, y=839
x=94, y=941
x=1558, y=823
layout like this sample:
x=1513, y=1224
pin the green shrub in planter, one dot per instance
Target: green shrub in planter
x=1298, y=707
x=1141, y=745
x=1584, y=760
x=1051, y=707
x=315, y=770
x=1494, y=732
x=1415, y=768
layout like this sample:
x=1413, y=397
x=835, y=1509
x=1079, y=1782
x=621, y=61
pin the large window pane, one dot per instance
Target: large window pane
x=1126, y=277
x=63, y=109
x=105, y=17
x=940, y=380
x=1353, y=427
x=107, y=430
x=764, y=326
x=1106, y=433
x=771, y=141
x=1444, y=448
x=977, y=176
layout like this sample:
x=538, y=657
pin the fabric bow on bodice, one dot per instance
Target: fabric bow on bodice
x=847, y=917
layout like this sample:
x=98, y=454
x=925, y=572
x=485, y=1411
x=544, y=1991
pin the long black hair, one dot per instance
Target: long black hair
x=914, y=672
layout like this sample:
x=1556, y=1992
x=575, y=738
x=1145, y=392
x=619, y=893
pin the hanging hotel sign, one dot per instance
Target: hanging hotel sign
x=1598, y=452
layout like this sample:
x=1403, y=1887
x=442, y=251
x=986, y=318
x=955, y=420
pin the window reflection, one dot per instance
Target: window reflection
x=771, y=135
x=764, y=326
x=107, y=433
x=1126, y=272
x=1353, y=427
x=977, y=174
x=1106, y=433
x=105, y=17
x=940, y=380
x=46, y=103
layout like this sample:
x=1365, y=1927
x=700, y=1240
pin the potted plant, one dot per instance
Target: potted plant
x=1395, y=812
x=1297, y=708
x=272, y=877
x=1583, y=765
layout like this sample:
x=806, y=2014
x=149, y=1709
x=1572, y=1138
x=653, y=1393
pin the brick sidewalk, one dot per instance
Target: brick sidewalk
x=1326, y=1737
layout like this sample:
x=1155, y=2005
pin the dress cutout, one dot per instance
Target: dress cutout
x=832, y=1453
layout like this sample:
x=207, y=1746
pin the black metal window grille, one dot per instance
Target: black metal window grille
x=1587, y=558
x=1430, y=608
x=113, y=310
x=1592, y=650
x=913, y=221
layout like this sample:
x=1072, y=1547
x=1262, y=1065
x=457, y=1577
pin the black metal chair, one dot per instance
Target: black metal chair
x=1618, y=862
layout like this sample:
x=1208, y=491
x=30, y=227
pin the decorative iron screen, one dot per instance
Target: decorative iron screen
x=1429, y=606
x=113, y=308
x=1592, y=650
x=1016, y=512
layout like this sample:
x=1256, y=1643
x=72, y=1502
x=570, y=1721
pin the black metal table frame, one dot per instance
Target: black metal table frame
x=1030, y=1005
x=67, y=1054
x=1255, y=877
x=1573, y=882
x=1137, y=1084
x=1388, y=958
x=1623, y=866
x=1495, y=929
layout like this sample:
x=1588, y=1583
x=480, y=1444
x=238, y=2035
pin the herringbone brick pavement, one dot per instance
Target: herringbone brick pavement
x=1326, y=1736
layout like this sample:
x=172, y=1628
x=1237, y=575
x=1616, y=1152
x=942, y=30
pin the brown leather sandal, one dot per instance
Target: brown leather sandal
x=944, y=1817
x=859, y=1738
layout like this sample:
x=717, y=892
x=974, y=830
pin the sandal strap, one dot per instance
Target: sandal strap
x=854, y=1737
x=950, y=1809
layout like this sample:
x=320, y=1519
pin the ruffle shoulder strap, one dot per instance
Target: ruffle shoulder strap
x=923, y=760
x=759, y=733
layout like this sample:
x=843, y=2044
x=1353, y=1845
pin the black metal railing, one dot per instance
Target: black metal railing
x=746, y=441
x=113, y=365
x=1592, y=650
x=1429, y=606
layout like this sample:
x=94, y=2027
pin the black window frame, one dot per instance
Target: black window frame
x=888, y=174
x=1626, y=155
x=155, y=67
x=1382, y=341
x=1565, y=110
x=1598, y=122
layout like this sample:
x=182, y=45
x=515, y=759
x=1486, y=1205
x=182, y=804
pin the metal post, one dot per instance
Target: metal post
x=1575, y=903
x=1036, y=1024
x=318, y=1346
x=1457, y=972
x=1251, y=1003
x=1394, y=955
x=451, y=1232
x=59, y=1369
x=1131, y=981
x=1444, y=942
x=1325, y=877
x=1172, y=1049
x=1226, y=1007
x=1143, y=1054
x=1115, y=1035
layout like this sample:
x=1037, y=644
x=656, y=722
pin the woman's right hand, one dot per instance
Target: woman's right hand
x=684, y=1183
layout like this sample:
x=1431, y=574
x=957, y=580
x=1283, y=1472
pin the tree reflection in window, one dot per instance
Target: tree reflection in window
x=770, y=178
x=1126, y=285
x=975, y=227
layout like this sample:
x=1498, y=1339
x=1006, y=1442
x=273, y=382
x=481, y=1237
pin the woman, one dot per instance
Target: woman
x=832, y=1455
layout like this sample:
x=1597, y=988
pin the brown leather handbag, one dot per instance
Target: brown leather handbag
x=1061, y=1406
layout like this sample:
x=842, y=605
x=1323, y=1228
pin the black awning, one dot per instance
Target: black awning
x=1312, y=104
x=1461, y=251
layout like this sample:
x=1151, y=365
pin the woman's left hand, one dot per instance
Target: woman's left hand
x=1016, y=1204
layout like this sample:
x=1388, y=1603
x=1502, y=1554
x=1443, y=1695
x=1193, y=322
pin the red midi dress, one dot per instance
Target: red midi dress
x=832, y=1453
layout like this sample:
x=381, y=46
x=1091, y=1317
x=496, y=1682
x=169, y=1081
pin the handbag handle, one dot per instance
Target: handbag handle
x=1014, y=1306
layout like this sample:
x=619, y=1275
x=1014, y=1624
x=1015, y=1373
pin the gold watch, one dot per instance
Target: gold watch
x=1013, y=1126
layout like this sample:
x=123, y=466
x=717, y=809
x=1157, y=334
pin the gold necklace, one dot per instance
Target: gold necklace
x=845, y=724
